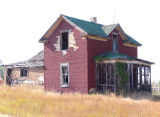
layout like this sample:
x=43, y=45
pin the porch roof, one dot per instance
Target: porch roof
x=118, y=56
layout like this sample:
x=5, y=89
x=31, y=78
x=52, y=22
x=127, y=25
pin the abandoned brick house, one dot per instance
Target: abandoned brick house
x=30, y=71
x=80, y=56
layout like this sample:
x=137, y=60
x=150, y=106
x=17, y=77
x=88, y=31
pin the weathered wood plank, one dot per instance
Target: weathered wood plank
x=132, y=75
x=114, y=69
x=128, y=69
x=140, y=69
x=106, y=77
x=150, y=79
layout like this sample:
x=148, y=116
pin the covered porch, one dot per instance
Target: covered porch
x=138, y=73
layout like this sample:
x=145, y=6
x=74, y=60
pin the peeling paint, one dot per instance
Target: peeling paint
x=84, y=37
x=72, y=42
x=64, y=52
x=57, y=44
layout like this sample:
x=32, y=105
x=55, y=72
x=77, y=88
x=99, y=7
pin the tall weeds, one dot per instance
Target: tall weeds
x=32, y=101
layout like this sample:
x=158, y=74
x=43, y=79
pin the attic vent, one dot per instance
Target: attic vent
x=93, y=19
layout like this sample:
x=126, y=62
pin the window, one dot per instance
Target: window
x=115, y=43
x=23, y=73
x=64, y=40
x=64, y=74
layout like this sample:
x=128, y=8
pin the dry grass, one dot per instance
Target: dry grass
x=32, y=101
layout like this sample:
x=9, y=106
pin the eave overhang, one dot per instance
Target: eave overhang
x=124, y=61
x=43, y=41
x=112, y=57
x=131, y=45
x=95, y=37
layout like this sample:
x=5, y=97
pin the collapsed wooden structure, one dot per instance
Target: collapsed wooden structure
x=139, y=73
x=26, y=71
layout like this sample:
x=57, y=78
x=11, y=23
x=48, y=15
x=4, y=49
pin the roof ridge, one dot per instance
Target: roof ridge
x=82, y=19
x=89, y=27
x=111, y=24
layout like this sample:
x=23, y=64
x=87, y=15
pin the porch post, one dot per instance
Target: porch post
x=132, y=75
x=150, y=79
x=110, y=73
x=140, y=69
x=101, y=74
x=106, y=76
x=96, y=71
x=144, y=74
x=115, y=90
x=136, y=77
x=128, y=69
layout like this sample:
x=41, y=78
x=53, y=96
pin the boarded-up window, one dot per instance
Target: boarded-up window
x=23, y=73
x=64, y=76
x=115, y=43
x=64, y=40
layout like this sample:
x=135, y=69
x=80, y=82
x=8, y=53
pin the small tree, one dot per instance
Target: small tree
x=122, y=78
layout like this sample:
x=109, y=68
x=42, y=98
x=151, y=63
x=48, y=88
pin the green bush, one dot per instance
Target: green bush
x=122, y=78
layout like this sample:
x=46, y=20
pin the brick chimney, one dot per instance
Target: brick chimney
x=93, y=19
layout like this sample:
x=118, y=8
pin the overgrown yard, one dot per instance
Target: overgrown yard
x=32, y=101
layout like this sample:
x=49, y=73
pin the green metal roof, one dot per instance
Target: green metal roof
x=90, y=28
x=96, y=29
x=112, y=56
x=132, y=41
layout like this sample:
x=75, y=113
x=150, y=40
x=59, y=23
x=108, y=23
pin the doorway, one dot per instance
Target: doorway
x=9, y=77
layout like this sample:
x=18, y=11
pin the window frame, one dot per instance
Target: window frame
x=114, y=41
x=61, y=75
x=22, y=74
x=61, y=32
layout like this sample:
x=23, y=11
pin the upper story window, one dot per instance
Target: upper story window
x=23, y=73
x=64, y=40
x=64, y=74
x=115, y=43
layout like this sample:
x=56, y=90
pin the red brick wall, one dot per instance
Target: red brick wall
x=96, y=47
x=131, y=51
x=78, y=65
x=81, y=64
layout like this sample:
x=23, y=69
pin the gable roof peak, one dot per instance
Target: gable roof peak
x=80, y=19
x=91, y=28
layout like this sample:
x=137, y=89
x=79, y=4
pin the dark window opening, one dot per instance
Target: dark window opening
x=23, y=73
x=64, y=40
x=115, y=43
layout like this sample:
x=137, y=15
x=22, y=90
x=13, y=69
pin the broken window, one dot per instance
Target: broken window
x=23, y=73
x=64, y=40
x=105, y=77
x=64, y=67
x=115, y=43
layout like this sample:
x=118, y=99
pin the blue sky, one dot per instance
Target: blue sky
x=23, y=22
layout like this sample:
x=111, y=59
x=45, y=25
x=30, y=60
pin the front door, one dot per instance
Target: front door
x=8, y=77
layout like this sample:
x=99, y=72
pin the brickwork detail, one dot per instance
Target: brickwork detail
x=76, y=57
